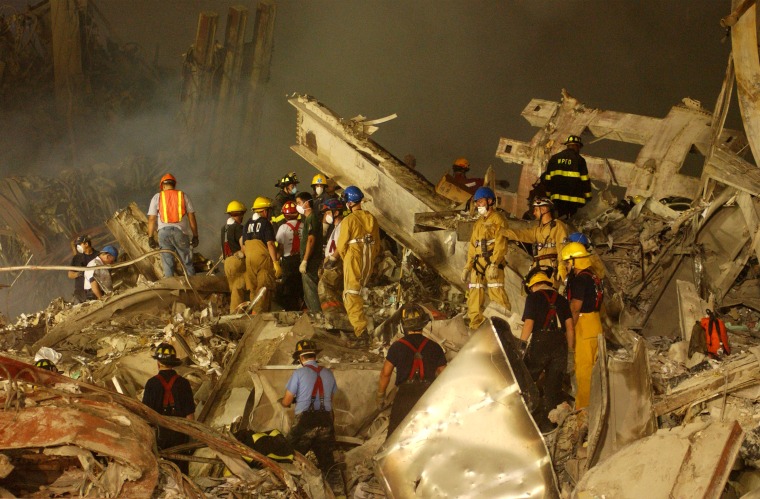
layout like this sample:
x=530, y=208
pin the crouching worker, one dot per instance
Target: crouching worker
x=549, y=325
x=169, y=394
x=418, y=361
x=312, y=388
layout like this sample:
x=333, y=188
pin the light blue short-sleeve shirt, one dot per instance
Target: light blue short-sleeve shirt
x=301, y=384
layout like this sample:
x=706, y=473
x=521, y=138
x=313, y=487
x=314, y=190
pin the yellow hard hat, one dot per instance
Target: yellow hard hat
x=262, y=203
x=235, y=206
x=578, y=253
x=319, y=179
x=539, y=277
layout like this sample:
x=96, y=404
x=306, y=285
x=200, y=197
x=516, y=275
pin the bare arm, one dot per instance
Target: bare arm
x=575, y=309
x=570, y=333
x=193, y=223
x=527, y=329
x=190, y=416
x=73, y=274
x=439, y=370
x=309, y=247
x=287, y=399
x=151, y=225
x=96, y=290
x=385, y=377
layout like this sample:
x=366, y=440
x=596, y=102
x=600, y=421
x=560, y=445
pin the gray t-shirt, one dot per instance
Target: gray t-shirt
x=183, y=224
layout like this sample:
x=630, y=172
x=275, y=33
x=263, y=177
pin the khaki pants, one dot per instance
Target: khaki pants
x=476, y=296
x=234, y=269
x=587, y=329
x=259, y=273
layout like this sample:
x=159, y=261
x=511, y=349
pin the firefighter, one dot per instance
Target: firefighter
x=290, y=291
x=312, y=388
x=547, y=238
x=46, y=364
x=232, y=251
x=358, y=246
x=169, y=208
x=330, y=286
x=261, y=264
x=566, y=178
x=459, y=176
x=288, y=188
x=312, y=250
x=548, y=324
x=585, y=292
x=169, y=394
x=485, y=258
x=596, y=262
x=418, y=361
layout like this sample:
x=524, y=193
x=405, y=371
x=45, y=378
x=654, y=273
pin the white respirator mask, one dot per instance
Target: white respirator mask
x=255, y=216
x=482, y=210
x=294, y=190
x=329, y=218
x=300, y=209
x=80, y=249
x=319, y=190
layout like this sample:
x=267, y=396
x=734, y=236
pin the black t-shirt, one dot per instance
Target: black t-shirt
x=81, y=260
x=537, y=308
x=153, y=396
x=402, y=357
x=583, y=287
x=260, y=229
x=313, y=227
x=231, y=234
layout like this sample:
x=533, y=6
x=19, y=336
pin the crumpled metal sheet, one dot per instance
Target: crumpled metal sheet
x=470, y=435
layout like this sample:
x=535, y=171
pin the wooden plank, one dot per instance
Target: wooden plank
x=732, y=170
x=691, y=308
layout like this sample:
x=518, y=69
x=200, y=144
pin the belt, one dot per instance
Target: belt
x=545, y=256
x=366, y=239
x=489, y=241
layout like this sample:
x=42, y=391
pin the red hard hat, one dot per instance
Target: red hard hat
x=289, y=208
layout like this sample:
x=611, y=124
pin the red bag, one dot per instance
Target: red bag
x=715, y=334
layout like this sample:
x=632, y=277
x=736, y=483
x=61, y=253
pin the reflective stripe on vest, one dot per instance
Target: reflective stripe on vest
x=418, y=368
x=171, y=206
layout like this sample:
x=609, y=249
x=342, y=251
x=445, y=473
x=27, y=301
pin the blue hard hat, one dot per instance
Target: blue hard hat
x=484, y=192
x=352, y=194
x=578, y=237
x=333, y=204
x=111, y=251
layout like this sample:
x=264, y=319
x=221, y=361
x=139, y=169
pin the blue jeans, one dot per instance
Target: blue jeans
x=172, y=238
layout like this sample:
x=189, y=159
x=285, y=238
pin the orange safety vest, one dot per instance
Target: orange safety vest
x=171, y=206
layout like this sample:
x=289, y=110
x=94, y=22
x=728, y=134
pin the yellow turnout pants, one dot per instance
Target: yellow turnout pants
x=259, y=273
x=587, y=329
x=234, y=269
x=476, y=296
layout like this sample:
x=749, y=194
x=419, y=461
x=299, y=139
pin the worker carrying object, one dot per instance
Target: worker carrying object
x=288, y=189
x=261, y=264
x=358, y=247
x=169, y=394
x=547, y=237
x=290, y=292
x=312, y=388
x=566, y=179
x=330, y=285
x=548, y=324
x=486, y=258
x=232, y=251
x=585, y=292
x=173, y=212
x=418, y=360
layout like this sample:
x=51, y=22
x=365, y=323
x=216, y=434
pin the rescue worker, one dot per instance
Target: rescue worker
x=261, y=264
x=312, y=387
x=232, y=251
x=330, y=286
x=321, y=193
x=176, y=221
x=549, y=326
x=459, y=176
x=358, y=246
x=417, y=359
x=290, y=291
x=547, y=238
x=486, y=255
x=169, y=394
x=97, y=282
x=84, y=253
x=596, y=262
x=288, y=188
x=312, y=250
x=566, y=178
x=46, y=365
x=585, y=293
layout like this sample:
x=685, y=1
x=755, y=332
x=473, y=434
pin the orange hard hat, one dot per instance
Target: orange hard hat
x=167, y=179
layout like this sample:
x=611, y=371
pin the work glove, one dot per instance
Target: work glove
x=492, y=272
x=240, y=254
x=380, y=399
x=152, y=243
x=302, y=267
x=277, y=270
x=522, y=347
x=466, y=275
x=194, y=242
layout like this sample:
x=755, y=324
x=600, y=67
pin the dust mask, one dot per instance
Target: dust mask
x=329, y=218
x=299, y=209
x=80, y=249
x=255, y=216
x=482, y=210
x=293, y=190
x=319, y=190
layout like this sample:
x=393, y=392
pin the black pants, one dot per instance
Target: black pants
x=547, y=354
x=566, y=208
x=167, y=438
x=408, y=394
x=290, y=293
x=314, y=430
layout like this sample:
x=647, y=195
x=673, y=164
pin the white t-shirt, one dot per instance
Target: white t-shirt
x=285, y=235
x=332, y=242
x=183, y=224
x=103, y=276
